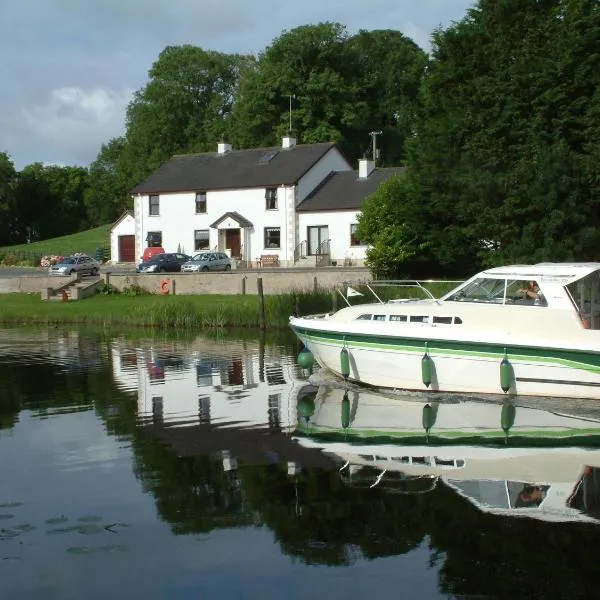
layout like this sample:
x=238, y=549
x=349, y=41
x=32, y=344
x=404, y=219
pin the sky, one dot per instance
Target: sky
x=70, y=67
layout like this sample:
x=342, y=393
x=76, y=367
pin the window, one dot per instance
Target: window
x=201, y=239
x=419, y=319
x=401, y=318
x=271, y=198
x=444, y=320
x=354, y=241
x=154, y=239
x=200, y=203
x=153, y=205
x=378, y=317
x=365, y=317
x=272, y=237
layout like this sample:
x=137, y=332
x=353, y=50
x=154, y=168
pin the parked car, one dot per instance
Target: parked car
x=168, y=262
x=207, y=261
x=77, y=263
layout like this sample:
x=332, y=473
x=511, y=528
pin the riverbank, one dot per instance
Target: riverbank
x=205, y=311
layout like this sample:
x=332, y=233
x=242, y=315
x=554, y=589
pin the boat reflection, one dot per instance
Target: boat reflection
x=504, y=458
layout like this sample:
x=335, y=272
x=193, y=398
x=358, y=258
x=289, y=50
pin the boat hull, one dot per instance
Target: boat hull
x=455, y=366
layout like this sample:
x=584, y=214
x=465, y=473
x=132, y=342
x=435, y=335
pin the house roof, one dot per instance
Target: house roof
x=241, y=221
x=126, y=213
x=344, y=190
x=255, y=167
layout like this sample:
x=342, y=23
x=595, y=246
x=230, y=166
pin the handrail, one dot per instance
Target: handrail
x=300, y=251
x=323, y=254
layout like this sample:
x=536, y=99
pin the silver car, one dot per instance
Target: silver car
x=78, y=263
x=207, y=261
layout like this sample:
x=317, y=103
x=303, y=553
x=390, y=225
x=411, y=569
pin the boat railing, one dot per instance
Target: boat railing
x=350, y=288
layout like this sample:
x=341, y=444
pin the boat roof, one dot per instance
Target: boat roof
x=565, y=272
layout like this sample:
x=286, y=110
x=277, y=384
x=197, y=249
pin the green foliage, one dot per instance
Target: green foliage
x=500, y=168
x=183, y=108
x=343, y=87
x=394, y=249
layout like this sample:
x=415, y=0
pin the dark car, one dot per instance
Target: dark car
x=168, y=262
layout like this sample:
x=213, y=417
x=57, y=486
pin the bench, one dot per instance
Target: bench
x=267, y=260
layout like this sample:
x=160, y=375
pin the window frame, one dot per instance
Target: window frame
x=196, y=239
x=265, y=241
x=201, y=200
x=271, y=196
x=354, y=241
x=154, y=204
x=152, y=237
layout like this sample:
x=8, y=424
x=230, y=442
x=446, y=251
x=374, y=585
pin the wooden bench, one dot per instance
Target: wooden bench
x=267, y=260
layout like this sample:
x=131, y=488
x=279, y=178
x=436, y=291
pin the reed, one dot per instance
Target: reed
x=180, y=312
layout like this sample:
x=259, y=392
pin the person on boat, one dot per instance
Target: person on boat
x=532, y=292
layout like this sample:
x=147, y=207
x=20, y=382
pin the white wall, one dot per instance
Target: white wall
x=332, y=161
x=126, y=226
x=338, y=223
x=178, y=219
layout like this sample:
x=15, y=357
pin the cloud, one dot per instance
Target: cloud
x=76, y=122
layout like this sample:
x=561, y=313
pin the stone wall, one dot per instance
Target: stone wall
x=238, y=282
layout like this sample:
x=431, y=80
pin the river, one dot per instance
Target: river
x=193, y=466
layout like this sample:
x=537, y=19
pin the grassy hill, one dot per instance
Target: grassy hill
x=84, y=241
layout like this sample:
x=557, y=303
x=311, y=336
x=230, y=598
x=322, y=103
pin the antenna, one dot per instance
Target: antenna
x=374, y=135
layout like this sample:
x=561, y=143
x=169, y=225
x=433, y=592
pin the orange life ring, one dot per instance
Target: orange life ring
x=164, y=286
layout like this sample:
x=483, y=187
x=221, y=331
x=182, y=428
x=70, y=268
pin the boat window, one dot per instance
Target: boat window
x=378, y=317
x=419, y=319
x=364, y=317
x=457, y=321
x=480, y=290
x=421, y=460
x=525, y=292
x=585, y=294
x=401, y=318
x=444, y=320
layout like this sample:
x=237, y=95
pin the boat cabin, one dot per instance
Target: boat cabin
x=565, y=286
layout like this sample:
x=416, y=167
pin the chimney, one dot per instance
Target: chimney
x=288, y=141
x=365, y=167
x=223, y=148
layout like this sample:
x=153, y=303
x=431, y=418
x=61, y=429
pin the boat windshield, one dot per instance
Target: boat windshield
x=499, y=291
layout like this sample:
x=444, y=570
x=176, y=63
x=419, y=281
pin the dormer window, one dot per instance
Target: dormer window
x=271, y=198
x=200, y=203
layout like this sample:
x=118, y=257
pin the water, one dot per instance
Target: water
x=216, y=468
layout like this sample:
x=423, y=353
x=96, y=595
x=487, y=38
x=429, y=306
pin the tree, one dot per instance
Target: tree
x=106, y=196
x=394, y=249
x=342, y=88
x=8, y=177
x=501, y=156
x=183, y=108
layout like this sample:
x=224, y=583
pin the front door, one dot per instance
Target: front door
x=316, y=235
x=127, y=248
x=233, y=242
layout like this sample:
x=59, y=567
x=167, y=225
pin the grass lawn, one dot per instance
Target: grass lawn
x=84, y=241
x=140, y=311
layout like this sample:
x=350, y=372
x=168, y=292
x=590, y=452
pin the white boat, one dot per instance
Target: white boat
x=538, y=463
x=486, y=336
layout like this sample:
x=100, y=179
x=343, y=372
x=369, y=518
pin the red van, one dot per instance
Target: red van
x=152, y=251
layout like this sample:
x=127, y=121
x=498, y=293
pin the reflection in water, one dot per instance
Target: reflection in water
x=230, y=437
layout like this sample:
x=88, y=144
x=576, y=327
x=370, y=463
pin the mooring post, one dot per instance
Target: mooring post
x=261, y=304
x=315, y=284
x=334, y=301
x=244, y=285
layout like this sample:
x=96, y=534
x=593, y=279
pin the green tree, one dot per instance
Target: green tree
x=183, y=108
x=8, y=176
x=106, y=196
x=508, y=122
x=394, y=249
x=342, y=88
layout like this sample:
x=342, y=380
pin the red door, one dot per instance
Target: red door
x=232, y=242
x=127, y=248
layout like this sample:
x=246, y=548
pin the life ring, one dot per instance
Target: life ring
x=164, y=286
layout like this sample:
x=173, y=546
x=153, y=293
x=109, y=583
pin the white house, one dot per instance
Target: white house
x=286, y=201
x=122, y=238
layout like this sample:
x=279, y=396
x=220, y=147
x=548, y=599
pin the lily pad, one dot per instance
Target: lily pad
x=57, y=520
